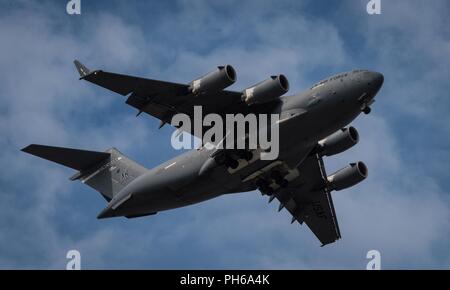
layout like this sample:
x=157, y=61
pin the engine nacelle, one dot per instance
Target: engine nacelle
x=339, y=141
x=219, y=79
x=267, y=90
x=348, y=176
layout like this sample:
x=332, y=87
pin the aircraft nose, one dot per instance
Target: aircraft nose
x=374, y=81
x=377, y=80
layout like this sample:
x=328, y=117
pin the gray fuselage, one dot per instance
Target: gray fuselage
x=323, y=109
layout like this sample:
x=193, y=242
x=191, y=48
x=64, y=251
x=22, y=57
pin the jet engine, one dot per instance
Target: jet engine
x=339, y=141
x=267, y=90
x=348, y=176
x=219, y=79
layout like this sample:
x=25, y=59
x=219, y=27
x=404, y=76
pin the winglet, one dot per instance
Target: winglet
x=82, y=70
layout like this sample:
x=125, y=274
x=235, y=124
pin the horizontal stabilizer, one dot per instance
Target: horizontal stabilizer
x=73, y=158
x=107, y=172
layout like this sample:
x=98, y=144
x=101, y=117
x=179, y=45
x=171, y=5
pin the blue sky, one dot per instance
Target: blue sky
x=402, y=209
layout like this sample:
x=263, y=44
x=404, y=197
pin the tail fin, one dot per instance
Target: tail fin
x=82, y=70
x=107, y=172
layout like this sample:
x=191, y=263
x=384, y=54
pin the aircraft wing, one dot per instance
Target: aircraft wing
x=162, y=99
x=309, y=201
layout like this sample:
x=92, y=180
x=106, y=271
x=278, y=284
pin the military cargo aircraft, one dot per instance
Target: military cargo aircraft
x=312, y=124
